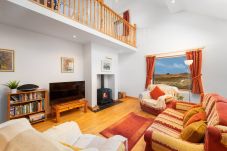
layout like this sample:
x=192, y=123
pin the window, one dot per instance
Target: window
x=172, y=71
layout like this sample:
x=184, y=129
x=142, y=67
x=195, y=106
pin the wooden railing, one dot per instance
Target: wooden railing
x=95, y=14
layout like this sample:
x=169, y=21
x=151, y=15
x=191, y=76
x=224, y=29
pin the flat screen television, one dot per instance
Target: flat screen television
x=66, y=91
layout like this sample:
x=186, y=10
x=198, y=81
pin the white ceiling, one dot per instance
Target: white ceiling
x=212, y=8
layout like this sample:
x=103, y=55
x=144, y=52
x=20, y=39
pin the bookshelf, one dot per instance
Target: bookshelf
x=29, y=104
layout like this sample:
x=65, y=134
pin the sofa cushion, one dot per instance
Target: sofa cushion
x=170, y=90
x=154, y=103
x=68, y=132
x=31, y=140
x=218, y=115
x=190, y=113
x=156, y=93
x=168, y=122
x=194, y=132
x=12, y=129
x=89, y=140
x=209, y=101
x=206, y=99
x=201, y=116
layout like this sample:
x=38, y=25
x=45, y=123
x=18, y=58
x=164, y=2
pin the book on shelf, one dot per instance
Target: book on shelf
x=26, y=97
x=26, y=108
x=29, y=104
x=36, y=117
x=15, y=98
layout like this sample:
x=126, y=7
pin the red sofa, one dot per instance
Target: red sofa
x=164, y=133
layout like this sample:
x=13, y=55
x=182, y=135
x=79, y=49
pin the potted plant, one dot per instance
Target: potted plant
x=13, y=85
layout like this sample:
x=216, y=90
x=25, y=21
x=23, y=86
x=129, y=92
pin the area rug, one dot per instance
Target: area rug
x=131, y=126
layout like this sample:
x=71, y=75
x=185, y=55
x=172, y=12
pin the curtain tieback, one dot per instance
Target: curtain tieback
x=197, y=77
x=148, y=76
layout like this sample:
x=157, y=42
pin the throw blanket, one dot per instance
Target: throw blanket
x=158, y=104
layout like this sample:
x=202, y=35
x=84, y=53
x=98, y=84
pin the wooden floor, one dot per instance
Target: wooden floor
x=93, y=123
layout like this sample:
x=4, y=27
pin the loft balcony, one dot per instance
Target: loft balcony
x=93, y=23
x=94, y=14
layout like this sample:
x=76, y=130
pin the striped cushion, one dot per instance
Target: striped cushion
x=184, y=106
x=209, y=100
x=212, y=119
x=169, y=122
x=218, y=115
x=209, y=105
x=206, y=99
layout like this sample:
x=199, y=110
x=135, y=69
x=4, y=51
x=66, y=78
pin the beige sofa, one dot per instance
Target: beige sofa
x=19, y=135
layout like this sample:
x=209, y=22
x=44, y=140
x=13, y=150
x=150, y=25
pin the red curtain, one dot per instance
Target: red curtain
x=150, y=69
x=126, y=27
x=196, y=68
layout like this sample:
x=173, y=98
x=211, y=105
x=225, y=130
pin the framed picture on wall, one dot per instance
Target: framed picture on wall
x=67, y=65
x=6, y=60
x=106, y=66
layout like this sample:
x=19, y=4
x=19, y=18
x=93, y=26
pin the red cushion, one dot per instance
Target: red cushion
x=156, y=93
x=195, y=118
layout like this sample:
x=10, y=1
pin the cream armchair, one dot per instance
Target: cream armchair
x=157, y=106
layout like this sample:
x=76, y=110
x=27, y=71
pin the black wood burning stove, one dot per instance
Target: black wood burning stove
x=104, y=95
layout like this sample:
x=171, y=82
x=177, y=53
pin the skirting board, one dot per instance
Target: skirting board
x=132, y=97
x=94, y=108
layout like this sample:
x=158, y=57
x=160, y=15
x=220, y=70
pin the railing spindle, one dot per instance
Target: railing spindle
x=82, y=21
x=87, y=12
x=52, y=4
x=59, y=3
x=69, y=8
x=95, y=14
x=45, y=3
x=74, y=9
x=90, y=12
x=78, y=12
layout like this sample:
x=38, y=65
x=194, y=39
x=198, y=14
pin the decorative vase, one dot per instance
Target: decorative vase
x=13, y=90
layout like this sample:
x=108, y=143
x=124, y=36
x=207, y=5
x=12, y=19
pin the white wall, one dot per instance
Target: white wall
x=87, y=72
x=104, y=53
x=94, y=54
x=37, y=60
x=166, y=32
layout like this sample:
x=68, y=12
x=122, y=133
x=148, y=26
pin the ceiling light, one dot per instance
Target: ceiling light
x=173, y=1
x=74, y=36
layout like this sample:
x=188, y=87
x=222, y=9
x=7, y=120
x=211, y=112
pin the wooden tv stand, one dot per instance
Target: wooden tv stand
x=68, y=106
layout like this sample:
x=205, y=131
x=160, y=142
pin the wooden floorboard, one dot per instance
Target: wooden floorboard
x=93, y=123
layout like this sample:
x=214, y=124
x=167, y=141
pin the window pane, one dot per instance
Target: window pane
x=172, y=71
